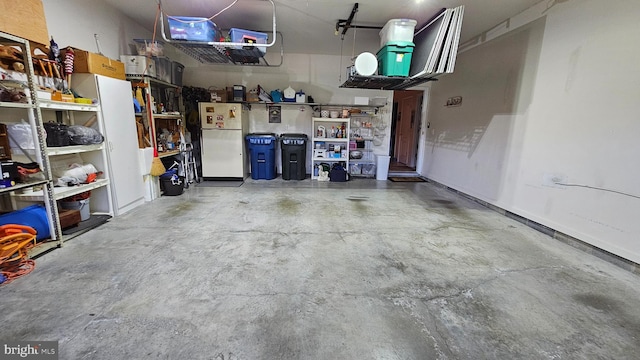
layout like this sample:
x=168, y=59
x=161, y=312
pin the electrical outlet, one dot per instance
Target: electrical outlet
x=553, y=179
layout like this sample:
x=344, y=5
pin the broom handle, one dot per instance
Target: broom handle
x=91, y=121
x=152, y=124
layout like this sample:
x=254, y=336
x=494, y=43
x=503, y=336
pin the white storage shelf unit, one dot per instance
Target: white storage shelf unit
x=61, y=157
x=366, y=130
x=12, y=113
x=323, y=148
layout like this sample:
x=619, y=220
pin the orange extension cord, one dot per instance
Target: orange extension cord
x=14, y=270
x=15, y=242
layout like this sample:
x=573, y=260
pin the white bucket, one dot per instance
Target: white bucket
x=82, y=205
x=382, y=166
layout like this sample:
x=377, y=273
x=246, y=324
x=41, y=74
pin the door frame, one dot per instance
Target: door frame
x=424, y=129
x=418, y=127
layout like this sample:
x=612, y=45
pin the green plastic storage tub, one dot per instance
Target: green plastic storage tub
x=394, y=59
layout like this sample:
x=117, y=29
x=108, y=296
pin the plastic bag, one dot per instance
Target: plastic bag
x=82, y=135
x=74, y=175
x=20, y=136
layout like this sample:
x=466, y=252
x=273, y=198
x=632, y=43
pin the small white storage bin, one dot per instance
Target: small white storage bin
x=382, y=166
x=397, y=30
x=136, y=64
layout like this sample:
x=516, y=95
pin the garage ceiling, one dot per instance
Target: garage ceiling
x=308, y=26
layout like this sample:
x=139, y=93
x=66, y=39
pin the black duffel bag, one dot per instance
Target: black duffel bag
x=338, y=173
x=57, y=134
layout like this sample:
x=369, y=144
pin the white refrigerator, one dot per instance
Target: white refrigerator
x=224, y=126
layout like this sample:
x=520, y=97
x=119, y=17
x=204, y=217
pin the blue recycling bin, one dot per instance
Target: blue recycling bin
x=262, y=151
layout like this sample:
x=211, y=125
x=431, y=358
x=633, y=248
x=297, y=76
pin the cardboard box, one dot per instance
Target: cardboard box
x=218, y=95
x=25, y=19
x=69, y=218
x=58, y=96
x=230, y=93
x=252, y=96
x=87, y=62
x=5, y=152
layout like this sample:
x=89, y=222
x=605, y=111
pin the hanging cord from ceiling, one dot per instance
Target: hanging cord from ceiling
x=155, y=25
x=340, y=69
x=347, y=24
x=203, y=20
x=153, y=41
x=355, y=30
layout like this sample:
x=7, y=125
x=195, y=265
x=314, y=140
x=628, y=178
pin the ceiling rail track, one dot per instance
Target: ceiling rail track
x=347, y=24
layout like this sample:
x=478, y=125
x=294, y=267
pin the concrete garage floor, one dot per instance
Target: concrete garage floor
x=301, y=270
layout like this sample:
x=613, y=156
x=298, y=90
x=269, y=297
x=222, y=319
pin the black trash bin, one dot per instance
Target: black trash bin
x=171, y=184
x=262, y=152
x=294, y=156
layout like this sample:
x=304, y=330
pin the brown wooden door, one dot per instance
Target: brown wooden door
x=407, y=126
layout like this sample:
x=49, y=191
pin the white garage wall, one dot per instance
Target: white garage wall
x=317, y=75
x=73, y=23
x=556, y=98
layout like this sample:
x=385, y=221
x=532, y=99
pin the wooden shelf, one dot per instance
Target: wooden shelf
x=156, y=122
x=161, y=116
x=142, y=78
x=168, y=153
x=167, y=116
